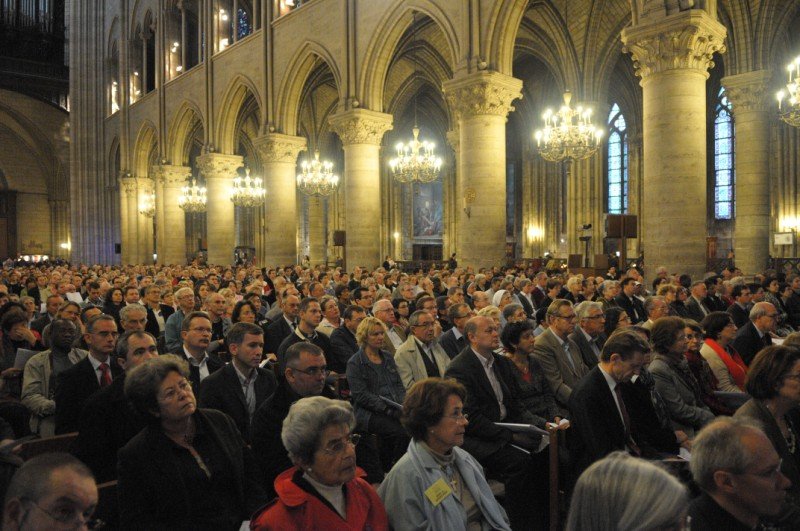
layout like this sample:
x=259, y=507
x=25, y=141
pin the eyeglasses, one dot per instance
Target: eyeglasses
x=313, y=371
x=424, y=325
x=69, y=516
x=598, y=316
x=565, y=317
x=457, y=416
x=337, y=447
x=202, y=330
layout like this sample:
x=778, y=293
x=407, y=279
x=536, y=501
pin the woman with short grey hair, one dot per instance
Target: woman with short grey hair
x=623, y=493
x=324, y=489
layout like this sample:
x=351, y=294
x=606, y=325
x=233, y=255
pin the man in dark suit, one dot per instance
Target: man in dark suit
x=539, y=291
x=196, y=335
x=695, y=306
x=740, y=309
x=524, y=296
x=343, y=339
x=53, y=303
x=283, y=326
x=240, y=386
x=76, y=384
x=755, y=335
x=504, y=454
x=107, y=421
x=310, y=315
x=600, y=418
x=713, y=301
x=626, y=300
x=588, y=335
x=157, y=313
x=453, y=341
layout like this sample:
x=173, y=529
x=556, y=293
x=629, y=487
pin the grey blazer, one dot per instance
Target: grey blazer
x=410, y=365
x=686, y=412
x=559, y=372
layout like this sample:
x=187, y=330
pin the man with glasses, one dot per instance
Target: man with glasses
x=453, y=341
x=52, y=491
x=395, y=336
x=558, y=355
x=196, y=334
x=420, y=357
x=77, y=383
x=739, y=472
x=756, y=334
x=589, y=334
x=304, y=375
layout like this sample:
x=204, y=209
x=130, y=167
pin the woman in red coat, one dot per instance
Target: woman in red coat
x=324, y=490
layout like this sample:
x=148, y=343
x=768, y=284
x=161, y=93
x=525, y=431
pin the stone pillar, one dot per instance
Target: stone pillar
x=171, y=242
x=453, y=200
x=672, y=55
x=219, y=171
x=316, y=230
x=279, y=162
x=129, y=210
x=750, y=103
x=144, y=190
x=361, y=132
x=481, y=102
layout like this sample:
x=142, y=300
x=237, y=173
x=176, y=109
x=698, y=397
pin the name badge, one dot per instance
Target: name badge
x=438, y=492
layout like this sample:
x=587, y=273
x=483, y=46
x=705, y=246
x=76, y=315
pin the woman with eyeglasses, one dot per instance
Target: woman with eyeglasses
x=189, y=468
x=436, y=484
x=324, y=489
x=774, y=385
x=702, y=371
x=377, y=389
x=728, y=367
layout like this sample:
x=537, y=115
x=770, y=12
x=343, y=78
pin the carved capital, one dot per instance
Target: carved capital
x=219, y=166
x=361, y=126
x=684, y=41
x=453, y=139
x=128, y=185
x=275, y=147
x=482, y=93
x=172, y=176
x=749, y=91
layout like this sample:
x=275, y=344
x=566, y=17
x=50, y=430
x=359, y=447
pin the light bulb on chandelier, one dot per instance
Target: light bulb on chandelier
x=316, y=177
x=791, y=112
x=248, y=192
x=193, y=198
x=568, y=134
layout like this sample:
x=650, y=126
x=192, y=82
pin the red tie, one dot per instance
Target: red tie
x=105, y=378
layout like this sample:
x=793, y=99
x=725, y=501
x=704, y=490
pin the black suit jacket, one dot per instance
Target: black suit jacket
x=451, y=345
x=320, y=340
x=214, y=364
x=223, y=391
x=715, y=304
x=343, y=346
x=275, y=333
x=739, y=315
x=526, y=305
x=106, y=424
x=151, y=491
x=152, y=323
x=596, y=423
x=483, y=437
x=73, y=387
x=633, y=307
x=748, y=343
x=587, y=354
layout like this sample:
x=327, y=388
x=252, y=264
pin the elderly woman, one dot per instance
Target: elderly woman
x=622, y=493
x=433, y=414
x=376, y=388
x=674, y=380
x=728, y=367
x=331, y=320
x=702, y=371
x=616, y=319
x=501, y=298
x=324, y=490
x=189, y=468
x=774, y=385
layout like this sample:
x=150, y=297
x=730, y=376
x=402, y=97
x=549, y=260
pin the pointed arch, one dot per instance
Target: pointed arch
x=291, y=88
x=502, y=32
x=239, y=89
x=383, y=46
x=146, y=141
x=186, y=120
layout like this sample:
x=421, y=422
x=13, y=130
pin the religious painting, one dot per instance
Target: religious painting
x=428, y=213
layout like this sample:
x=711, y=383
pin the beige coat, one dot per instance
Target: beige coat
x=36, y=390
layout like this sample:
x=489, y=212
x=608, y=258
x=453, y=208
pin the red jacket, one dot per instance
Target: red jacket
x=294, y=508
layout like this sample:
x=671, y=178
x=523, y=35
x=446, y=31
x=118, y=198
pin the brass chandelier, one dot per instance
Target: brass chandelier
x=316, y=177
x=248, y=192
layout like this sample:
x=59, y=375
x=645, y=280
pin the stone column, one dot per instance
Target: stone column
x=279, y=162
x=361, y=131
x=129, y=210
x=144, y=190
x=453, y=200
x=750, y=103
x=481, y=102
x=219, y=171
x=672, y=55
x=316, y=230
x=171, y=243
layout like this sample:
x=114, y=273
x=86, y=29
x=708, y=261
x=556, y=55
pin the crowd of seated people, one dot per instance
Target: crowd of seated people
x=275, y=374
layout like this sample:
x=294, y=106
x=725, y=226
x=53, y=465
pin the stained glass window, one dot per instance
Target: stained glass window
x=244, y=24
x=724, y=178
x=617, y=162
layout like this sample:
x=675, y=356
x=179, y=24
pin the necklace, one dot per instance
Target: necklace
x=791, y=440
x=452, y=479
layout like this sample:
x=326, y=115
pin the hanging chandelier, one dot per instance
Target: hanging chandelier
x=147, y=207
x=193, y=198
x=248, y=192
x=317, y=177
x=791, y=114
x=568, y=134
x=417, y=160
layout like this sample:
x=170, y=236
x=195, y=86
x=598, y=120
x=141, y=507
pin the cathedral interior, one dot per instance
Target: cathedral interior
x=108, y=110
